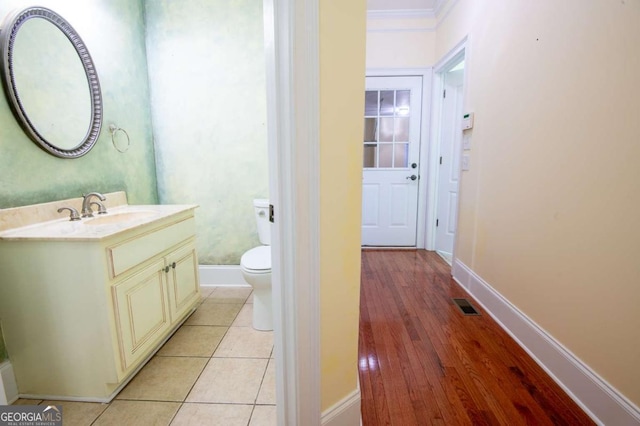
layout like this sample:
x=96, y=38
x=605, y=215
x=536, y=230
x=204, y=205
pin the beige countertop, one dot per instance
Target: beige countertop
x=119, y=218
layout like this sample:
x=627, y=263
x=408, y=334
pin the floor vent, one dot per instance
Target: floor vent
x=465, y=306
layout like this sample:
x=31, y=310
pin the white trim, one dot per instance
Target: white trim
x=425, y=140
x=221, y=275
x=438, y=7
x=292, y=59
x=431, y=186
x=400, y=14
x=399, y=248
x=344, y=412
x=446, y=61
x=402, y=30
x=439, y=10
x=601, y=401
x=8, y=386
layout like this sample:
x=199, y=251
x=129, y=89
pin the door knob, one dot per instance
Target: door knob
x=412, y=177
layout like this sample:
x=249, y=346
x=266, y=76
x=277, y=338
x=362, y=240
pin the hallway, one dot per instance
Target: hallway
x=422, y=362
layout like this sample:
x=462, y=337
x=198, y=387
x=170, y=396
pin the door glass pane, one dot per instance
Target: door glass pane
x=370, y=129
x=371, y=103
x=386, y=129
x=386, y=155
x=386, y=102
x=402, y=129
x=402, y=102
x=370, y=155
x=401, y=155
x=386, y=120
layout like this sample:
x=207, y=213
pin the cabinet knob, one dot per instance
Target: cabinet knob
x=173, y=265
x=166, y=268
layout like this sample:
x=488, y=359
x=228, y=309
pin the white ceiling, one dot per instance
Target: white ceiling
x=427, y=5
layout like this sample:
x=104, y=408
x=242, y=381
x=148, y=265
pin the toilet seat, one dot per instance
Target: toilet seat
x=257, y=260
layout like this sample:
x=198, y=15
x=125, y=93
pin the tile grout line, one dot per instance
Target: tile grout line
x=208, y=362
x=266, y=367
x=214, y=350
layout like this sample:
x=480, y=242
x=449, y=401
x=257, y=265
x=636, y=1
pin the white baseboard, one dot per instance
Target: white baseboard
x=345, y=412
x=8, y=386
x=221, y=275
x=601, y=401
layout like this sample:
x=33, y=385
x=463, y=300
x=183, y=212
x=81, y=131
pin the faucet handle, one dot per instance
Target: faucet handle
x=73, y=213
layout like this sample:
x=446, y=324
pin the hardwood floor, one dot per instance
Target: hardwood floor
x=422, y=362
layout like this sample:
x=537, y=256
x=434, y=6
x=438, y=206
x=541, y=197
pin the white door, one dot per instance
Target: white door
x=391, y=151
x=449, y=161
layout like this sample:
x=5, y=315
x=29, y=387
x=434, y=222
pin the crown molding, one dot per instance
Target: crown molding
x=402, y=30
x=434, y=12
x=401, y=14
x=438, y=7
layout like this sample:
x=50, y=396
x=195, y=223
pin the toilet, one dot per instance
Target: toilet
x=255, y=265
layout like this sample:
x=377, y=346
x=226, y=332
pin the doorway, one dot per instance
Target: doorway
x=450, y=143
x=393, y=120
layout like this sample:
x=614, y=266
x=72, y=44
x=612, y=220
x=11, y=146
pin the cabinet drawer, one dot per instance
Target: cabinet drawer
x=129, y=253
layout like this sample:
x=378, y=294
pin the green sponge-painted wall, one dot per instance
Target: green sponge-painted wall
x=113, y=31
x=208, y=95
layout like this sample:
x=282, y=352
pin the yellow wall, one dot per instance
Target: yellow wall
x=549, y=209
x=342, y=53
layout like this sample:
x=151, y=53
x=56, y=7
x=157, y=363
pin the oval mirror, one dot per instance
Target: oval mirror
x=50, y=81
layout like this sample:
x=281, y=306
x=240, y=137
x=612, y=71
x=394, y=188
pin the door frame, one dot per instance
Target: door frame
x=426, y=75
x=461, y=49
x=292, y=56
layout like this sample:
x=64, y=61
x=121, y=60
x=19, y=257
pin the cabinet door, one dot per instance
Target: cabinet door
x=141, y=312
x=184, y=287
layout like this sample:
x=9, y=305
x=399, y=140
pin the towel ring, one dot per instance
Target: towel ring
x=115, y=129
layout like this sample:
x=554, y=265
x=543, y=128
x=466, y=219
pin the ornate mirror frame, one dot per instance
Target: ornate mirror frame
x=9, y=30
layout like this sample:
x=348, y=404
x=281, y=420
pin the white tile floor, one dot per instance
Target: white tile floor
x=215, y=370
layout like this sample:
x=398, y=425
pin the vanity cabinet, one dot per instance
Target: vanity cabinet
x=81, y=316
x=150, y=301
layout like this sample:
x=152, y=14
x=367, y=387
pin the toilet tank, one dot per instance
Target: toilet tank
x=261, y=209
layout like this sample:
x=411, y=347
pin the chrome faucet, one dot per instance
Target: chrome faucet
x=86, y=203
x=101, y=208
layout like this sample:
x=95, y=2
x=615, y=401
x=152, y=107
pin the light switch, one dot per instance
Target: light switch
x=466, y=162
x=466, y=141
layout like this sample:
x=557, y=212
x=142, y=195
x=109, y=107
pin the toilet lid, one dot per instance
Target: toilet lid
x=257, y=259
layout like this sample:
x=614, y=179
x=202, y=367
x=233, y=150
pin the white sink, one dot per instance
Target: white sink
x=119, y=218
x=113, y=218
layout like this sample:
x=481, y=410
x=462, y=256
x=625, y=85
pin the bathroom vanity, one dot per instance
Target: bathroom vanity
x=84, y=304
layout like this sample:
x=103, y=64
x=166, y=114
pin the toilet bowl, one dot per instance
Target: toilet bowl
x=255, y=266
